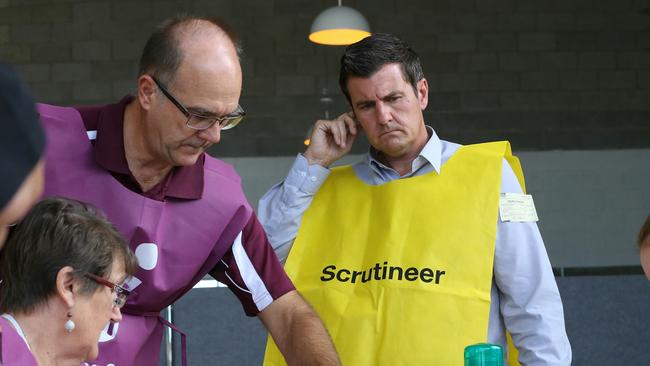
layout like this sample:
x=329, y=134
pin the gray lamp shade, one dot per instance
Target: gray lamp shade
x=339, y=25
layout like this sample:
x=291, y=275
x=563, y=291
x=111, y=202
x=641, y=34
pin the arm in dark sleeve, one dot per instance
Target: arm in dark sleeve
x=252, y=271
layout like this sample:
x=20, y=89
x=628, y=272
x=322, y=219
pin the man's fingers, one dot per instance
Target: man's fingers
x=339, y=127
x=350, y=122
x=335, y=128
x=324, y=128
x=342, y=129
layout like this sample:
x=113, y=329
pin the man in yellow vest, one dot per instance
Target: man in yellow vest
x=423, y=247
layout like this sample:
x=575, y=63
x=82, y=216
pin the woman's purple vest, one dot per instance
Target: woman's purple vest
x=177, y=241
x=14, y=349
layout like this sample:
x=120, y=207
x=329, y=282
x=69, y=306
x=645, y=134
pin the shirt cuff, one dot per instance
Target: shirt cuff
x=306, y=178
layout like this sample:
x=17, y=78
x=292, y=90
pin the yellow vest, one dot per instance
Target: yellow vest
x=401, y=273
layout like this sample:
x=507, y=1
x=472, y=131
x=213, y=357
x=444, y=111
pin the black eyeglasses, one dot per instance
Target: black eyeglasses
x=121, y=292
x=202, y=122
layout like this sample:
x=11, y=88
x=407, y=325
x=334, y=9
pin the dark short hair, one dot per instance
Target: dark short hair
x=162, y=54
x=56, y=233
x=364, y=58
x=644, y=232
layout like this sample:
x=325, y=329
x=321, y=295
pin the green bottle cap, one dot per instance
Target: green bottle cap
x=483, y=354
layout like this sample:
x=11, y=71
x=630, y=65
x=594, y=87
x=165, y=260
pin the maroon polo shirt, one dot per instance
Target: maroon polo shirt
x=184, y=182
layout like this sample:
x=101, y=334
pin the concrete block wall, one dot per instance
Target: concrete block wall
x=545, y=74
x=591, y=204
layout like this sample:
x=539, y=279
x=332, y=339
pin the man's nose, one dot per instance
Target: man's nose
x=383, y=113
x=212, y=134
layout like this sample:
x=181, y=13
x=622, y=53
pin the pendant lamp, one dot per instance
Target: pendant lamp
x=339, y=26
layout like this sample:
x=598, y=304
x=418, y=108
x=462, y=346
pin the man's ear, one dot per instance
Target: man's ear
x=66, y=285
x=423, y=93
x=146, y=91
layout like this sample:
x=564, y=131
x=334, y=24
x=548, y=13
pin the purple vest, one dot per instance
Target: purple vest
x=177, y=242
x=14, y=350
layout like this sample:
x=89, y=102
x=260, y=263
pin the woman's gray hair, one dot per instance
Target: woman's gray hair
x=56, y=233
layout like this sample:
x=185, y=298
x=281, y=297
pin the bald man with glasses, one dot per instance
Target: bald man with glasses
x=143, y=162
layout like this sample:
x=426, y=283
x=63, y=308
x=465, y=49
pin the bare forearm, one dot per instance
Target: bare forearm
x=298, y=332
x=309, y=343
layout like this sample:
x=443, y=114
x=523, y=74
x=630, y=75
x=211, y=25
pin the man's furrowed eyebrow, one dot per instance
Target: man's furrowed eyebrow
x=365, y=103
x=392, y=95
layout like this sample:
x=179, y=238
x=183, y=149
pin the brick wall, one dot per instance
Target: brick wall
x=545, y=74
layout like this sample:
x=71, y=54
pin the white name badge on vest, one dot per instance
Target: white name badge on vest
x=517, y=207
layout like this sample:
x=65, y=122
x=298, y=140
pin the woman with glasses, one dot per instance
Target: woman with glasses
x=61, y=271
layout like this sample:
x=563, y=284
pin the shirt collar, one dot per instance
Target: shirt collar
x=186, y=182
x=431, y=153
x=109, y=144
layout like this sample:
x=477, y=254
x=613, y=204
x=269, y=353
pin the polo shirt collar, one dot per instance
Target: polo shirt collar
x=186, y=182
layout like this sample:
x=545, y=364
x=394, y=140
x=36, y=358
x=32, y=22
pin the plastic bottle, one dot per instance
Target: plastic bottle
x=483, y=354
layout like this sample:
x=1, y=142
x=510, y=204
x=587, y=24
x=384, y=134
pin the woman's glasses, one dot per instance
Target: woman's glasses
x=121, y=292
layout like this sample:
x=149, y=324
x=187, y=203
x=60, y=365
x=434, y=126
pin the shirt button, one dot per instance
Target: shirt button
x=312, y=178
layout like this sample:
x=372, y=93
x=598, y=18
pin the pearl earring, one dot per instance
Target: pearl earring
x=69, y=325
